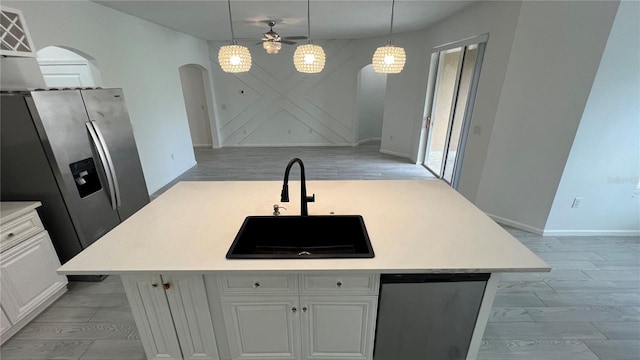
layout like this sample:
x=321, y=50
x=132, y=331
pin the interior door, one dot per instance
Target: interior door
x=107, y=108
x=451, y=107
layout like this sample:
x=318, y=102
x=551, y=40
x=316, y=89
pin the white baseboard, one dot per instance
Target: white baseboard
x=591, y=233
x=369, y=139
x=287, y=145
x=394, y=153
x=515, y=224
x=545, y=232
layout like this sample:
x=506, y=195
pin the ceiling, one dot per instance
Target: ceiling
x=342, y=19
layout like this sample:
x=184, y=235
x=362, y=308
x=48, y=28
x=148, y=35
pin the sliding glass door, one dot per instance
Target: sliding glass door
x=451, y=103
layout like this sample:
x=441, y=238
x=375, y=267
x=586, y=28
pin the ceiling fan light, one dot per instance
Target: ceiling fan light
x=389, y=59
x=272, y=47
x=309, y=58
x=234, y=58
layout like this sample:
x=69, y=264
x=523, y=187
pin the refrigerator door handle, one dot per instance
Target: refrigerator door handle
x=109, y=162
x=103, y=160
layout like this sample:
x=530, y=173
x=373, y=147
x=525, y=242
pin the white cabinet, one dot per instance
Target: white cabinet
x=15, y=40
x=336, y=327
x=172, y=316
x=265, y=327
x=28, y=262
x=329, y=317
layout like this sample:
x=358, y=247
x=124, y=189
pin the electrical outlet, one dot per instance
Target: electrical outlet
x=576, y=202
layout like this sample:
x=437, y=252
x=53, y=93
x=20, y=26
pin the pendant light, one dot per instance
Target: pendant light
x=309, y=58
x=389, y=59
x=234, y=58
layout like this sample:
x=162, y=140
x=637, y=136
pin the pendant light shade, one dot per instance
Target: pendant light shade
x=389, y=59
x=234, y=58
x=309, y=58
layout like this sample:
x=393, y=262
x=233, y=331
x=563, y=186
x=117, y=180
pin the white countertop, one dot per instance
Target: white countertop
x=413, y=225
x=11, y=210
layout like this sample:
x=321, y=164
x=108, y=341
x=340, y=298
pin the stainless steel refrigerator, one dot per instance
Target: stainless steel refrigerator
x=74, y=151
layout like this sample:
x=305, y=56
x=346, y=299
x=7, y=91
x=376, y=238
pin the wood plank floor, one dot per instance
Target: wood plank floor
x=587, y=307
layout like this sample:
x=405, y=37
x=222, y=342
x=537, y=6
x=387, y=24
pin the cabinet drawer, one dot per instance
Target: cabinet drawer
x=359, y=284
x=18, y=230
x=257, y=284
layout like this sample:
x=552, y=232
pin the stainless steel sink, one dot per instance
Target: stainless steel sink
x=301, y=237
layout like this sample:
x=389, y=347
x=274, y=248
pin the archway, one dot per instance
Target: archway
x=370, y=104
x=195, y=82
x=67, y=67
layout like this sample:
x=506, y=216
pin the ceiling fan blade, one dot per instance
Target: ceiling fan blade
x=288, y=42
x=295, y=37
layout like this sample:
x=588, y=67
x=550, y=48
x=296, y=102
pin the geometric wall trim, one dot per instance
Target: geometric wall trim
x=275, y=105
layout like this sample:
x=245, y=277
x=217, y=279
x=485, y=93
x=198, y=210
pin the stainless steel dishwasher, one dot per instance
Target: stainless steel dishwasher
x=427, y=316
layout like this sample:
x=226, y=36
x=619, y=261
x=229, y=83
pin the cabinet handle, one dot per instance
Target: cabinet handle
x=304, y=309
x=11, y=235
x=166, y=286
x=155, y=285
x=256, y=284
x=294, y=309
x=339, y=284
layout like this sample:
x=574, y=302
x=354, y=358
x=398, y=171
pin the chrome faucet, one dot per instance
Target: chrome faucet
x=304, y=199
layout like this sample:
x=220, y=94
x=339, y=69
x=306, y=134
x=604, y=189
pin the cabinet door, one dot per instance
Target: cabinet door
x=338, y=327
x=191, y=316
x=150, y=309
x=29, y=276
x=266, y=327
x=5, y=324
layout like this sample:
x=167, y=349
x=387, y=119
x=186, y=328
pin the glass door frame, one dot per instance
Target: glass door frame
x=430, y=107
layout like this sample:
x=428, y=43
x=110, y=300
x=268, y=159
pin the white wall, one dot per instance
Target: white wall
x=551, y=69
x=138, y=56
x=370, y=103
x=604, y=162
x=405, y=93
x=193, y=90
x=274, y=105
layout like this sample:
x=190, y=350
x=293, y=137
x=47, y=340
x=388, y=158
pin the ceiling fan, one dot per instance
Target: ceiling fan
x=272, y=41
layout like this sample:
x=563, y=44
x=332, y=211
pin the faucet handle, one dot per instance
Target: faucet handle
x=311, y=198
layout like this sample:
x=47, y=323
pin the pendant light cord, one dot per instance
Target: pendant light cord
x=233, y=38
x=393, y=5
x=308, y=22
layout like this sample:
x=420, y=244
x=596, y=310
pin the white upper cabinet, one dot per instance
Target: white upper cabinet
x=15, y=40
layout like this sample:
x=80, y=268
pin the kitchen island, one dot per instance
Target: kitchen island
x=190, y=302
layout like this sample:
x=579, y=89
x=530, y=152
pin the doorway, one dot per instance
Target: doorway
x=193, y=79
x=370, y=104
x=449, y=106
